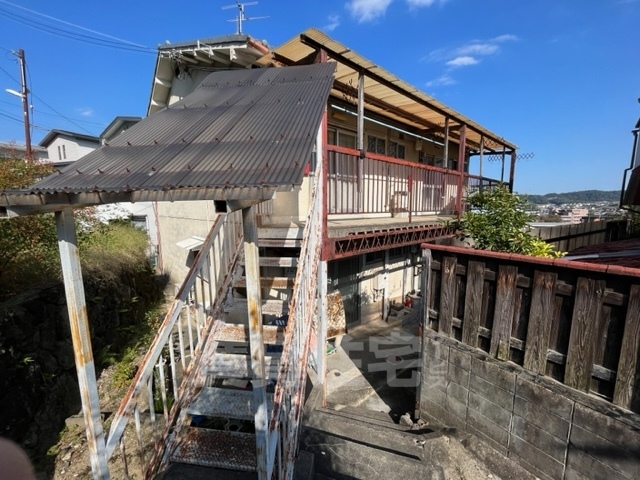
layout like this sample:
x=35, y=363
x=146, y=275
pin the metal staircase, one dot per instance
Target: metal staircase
x=217, y=426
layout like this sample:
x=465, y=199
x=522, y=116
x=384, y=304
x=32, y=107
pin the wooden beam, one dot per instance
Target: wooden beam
x=585, y=324
x=628, y=378
x=321, y=333
x=504, y=311
x=448, y=293
x=540, y=319
x=473, y=303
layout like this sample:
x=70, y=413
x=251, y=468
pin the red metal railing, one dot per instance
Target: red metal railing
x=376, y=184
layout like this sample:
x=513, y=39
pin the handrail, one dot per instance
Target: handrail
x=286, y=417
x=215, y=258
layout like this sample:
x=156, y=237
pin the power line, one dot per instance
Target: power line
x=114, y=41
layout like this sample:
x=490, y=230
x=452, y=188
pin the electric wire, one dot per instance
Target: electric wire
x=113, y=42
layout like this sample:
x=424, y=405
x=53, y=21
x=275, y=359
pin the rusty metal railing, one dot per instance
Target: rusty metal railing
x=289, y=394
x=152, y=399
x=377, y=184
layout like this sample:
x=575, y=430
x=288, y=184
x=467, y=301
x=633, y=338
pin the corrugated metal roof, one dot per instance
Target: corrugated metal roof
x=409, y=104
x=241, y=129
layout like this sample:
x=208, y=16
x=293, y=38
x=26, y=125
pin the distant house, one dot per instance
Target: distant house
x=12, y=150
x=119, y=125
x=64, y=147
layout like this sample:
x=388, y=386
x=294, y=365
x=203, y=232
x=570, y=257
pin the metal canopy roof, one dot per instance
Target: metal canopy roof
x=385, y=93
x=241, y=135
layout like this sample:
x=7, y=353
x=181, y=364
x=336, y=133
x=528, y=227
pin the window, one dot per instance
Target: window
x=59, y=153
x=139, y=221
x=342, y=138
x=64, y=153
x=376, y=145
x=396, y=150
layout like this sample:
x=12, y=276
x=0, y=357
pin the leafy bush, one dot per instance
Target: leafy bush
x=497, y=221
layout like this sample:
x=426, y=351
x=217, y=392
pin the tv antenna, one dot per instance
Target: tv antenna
x=241, y=15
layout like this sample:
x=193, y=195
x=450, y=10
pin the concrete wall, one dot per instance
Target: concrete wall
x=178, y=221
x=553, y=431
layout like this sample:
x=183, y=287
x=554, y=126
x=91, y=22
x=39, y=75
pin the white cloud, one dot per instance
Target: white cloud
x=504, y=38
x=424, y=3
x=85, y=111
x=368, y=10
x=478, y=49
x=441, y=81
x=334, y=22
x=463, y=61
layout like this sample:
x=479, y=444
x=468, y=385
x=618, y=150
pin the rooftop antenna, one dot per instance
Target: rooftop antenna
x=241, y=15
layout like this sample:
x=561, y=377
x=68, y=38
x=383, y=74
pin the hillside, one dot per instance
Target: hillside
x=583, y=196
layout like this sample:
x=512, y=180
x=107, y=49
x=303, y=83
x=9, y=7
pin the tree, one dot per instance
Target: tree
x=497, y=221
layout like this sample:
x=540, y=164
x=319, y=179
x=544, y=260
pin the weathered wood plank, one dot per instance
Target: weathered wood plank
x=540, y=319
x=585, y=324
x=427, y=274
x=447, y=295
x=628, y=375
x=504, y=310
x=473, y=303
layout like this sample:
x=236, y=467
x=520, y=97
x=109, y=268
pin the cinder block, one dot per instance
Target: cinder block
x=489, y=441
x=493, y=374
x=493, y=412
x=544, y=398
x=546, y=443
x=605, y=452
x=489, y=390
x=436, y=349
x=427, y=407
x=570, y=474
x=537, y=470
x=434, y=372
x=458, y=392
x=458, y=375
x=609, y=428
x=460, y=359
x=487, y=428
x=584, y=464
x=435, y=395
x=457, y=408
x=539, y=417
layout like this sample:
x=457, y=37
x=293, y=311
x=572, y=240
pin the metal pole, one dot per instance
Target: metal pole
x=504, y=149
x=461, y=158
x=481, y=158
x=360, y=172
x=321, y=334
x=81, y=337
x=25, y=104
x=512, y=170
x=254, y=301
x=446, y=143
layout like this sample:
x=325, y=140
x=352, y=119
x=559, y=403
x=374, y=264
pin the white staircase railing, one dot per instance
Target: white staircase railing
x=158, y=386
x=289, y=393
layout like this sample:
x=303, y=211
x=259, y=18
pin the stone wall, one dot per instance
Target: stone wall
x=553, y=431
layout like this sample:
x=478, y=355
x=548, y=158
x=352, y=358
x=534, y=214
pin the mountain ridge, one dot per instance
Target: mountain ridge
x=580, y=196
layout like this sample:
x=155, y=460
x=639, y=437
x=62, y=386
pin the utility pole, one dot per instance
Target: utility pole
x=25, y=103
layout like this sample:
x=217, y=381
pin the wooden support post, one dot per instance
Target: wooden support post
x=585, y=324
x=385, y=287
x=446, y=143
x=360, y=139
x=81, y=338
x=512, y=171
x=447, y=295
x=473, y=303
x=321, y=333
x=540, y=320
x=254, y=302
x=628, y=376
x=504, y=312
x=504, y=149
x=425, y=288
x=481, y=161
x=462, y=154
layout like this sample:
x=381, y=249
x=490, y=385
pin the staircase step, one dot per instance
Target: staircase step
x=280, y=242
x=277, y=262
x=387, y=439
x=233, y=332
x=217, y=448
x=269, y=307
x=228, y=365
x=225, y=403
x=278, y=283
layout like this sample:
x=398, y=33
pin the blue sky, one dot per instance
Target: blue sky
x=558, y=78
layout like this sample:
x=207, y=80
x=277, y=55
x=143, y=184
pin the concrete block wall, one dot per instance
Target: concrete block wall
x=553, y=431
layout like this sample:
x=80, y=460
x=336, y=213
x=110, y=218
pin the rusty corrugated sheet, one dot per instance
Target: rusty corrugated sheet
x=241, y=128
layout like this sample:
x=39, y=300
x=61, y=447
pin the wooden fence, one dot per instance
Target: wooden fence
x=569, y=237
x=576, y=322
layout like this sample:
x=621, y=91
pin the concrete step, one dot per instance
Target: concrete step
x=269, y=307
x=225, y=403
x=389, y=440
x=276, y=283
x=341, y=458
x=216, y=448
x=280, y=242
x=226, y=365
